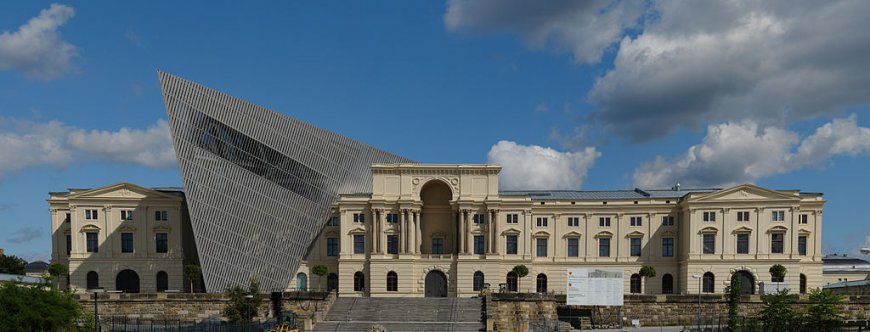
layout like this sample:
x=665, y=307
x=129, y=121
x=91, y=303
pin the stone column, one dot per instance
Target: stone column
x=415, y=246
x=402, y=233
x=493, y=227
x=463, y=230
x=380, y=229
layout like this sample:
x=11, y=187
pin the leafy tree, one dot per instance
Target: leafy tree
x=36, y=308
x=777, y=271
x=57, y=270
x=320, y=271
x=243, y=304
x=192, y=271
x=822, y=314
x=733, y=291
x=11, y=264
x=647, y=271
x=777, y=314
x=521, y=271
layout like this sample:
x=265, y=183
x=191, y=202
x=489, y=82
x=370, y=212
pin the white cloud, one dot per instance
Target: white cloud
x=37, y=48
x=542, y=108
x=733, y=153
x=535, y=167
x=26, y=144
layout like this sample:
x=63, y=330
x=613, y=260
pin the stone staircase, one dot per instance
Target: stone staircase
x=403, y=314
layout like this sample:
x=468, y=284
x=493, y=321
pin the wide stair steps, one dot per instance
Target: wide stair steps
x=403, y=314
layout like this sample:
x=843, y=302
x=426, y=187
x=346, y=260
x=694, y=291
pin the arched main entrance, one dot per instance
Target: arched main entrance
x=437, y=225
x=127, y=281
x=436, y=284
x=747, y=282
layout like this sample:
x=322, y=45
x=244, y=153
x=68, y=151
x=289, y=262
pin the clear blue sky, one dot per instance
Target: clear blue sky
x=570, y=94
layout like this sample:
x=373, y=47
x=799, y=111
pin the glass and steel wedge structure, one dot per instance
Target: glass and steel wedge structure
x=259, y=185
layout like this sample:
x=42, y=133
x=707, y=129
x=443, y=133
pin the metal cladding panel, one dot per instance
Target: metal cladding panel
x=259, y=184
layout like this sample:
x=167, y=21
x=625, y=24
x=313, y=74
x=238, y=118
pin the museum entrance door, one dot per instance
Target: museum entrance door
x=436, y=284
x=747, y=282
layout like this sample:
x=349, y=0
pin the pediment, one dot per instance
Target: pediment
x=708, y=230
x=604, y=234
x=572, y=234
x=510, y=231
x=777, y=229
x=541, y=234
x=669, y=233
x=742, y=229
x=356, y=230
x=162, y=229
x=331, y=232
x=804, y=231
x=127, y=229
x=89, y=228
x=634, y=234
x=745, y=192
x=122, y=190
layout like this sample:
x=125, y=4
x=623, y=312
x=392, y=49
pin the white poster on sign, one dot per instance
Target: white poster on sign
x=595, y=286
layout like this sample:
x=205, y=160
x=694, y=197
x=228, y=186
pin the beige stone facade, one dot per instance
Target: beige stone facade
x=453, y=221
x=119, y=237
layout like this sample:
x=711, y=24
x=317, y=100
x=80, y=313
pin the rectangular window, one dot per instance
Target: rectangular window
x=542, y=222
x=776, y=243
x=90, y=214
x=68, y=244
x=604, y=247
x=478, y=245
x=126, y=215
x=359, y=244
x=777, y=215
x=709, y=243
x=802, y=245
x=513, y=218
x=742, y=243
x=91, y=238
x=126, y=242
x=667, y=247
x=802, y=219
x=511, y=244
x=332, y=246
x=542, y=247
x=359, y=217
x=334, y=221
x=437, y=245
x=573, y=221
x=604, y=222
x=479, y=218
x=667, y=220
x=634, y=246
x=392, y=218
x=573, y=247
x=161, y=215
x=162, y=242
x=709, y=216
x=392, y=244
x=636, y=221
x=742, y=215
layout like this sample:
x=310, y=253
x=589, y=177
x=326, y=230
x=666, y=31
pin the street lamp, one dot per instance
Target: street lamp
x=248, y=307
x=698, y=276
x=96, y=292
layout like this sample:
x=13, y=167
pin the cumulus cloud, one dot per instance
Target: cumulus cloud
x=26, y=144
x=36, y=48
x=733, y=153
x=537, y=167
x=24, y=234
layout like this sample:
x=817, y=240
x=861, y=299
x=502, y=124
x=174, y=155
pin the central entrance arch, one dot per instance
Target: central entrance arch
x=127, y=281
x=437, y=226
x=747, y=282
x=436, y=284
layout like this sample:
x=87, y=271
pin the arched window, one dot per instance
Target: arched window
x=709, y=281
x=127, y=281
x=301, y=282
x=667, y=284
x=359, y=282
x=512, y=281
x=162, y=281
x=331, y=282
x=634, y=284
x=803, y=284
x=541, y=286
x=478, y=281
x=392, y=282
x=93, y=280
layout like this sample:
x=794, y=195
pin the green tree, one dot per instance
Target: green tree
x=733, y=290
x=192, y=271
x=521, y=271
x=777, y=272
x=36, y=308
x=11, y=264
x=320, y=271
x=777, y=314
x=243, y=304
x=645, y=272
x=57, y=270
x=822, y=313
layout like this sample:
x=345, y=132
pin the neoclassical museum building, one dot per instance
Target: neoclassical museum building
x=447, y=230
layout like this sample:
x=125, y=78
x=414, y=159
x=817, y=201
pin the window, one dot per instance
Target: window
x=802, y=219
x=392, y=282
x=93, y=280
x=542, y=222
x=634, y=246
x=511, y=281
x=573, y=247
x=777, y=215
x=667, y=284
x=359, y=244
x=359, y=217
x=604, y=222
x=479, y=218
x=802, y=245
x=301, y=282
x=392, y=244
x=332, y=247
x=667, y=247
x=161, y=215
x=437, y=246
x=709, y=283
x=709, y=243
x=742, y=243
x=634, y=284
x=392, y=218
x=667, y=220
x=90, y=214
x=709, y=216
x=478, y=245
x=331, y=282
x=542, y=247
x=91, y=238
x=67, y=219
x=162, y=281
x=636, y=221
x=776, y=243
x=541, y=284
x=162, y=242
x=604, y=247
x=742, y=215
x=478, y=281
x=68, y=244
x=511, y=244
x=126, y=215
x=513, y=218
x=334, y=221
x=126, y=242
x=359, y=282
x=803, y=284
x=573, y=221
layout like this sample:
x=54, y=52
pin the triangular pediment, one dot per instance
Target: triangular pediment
x=571, y=234
x=122, y=190
x=745, y=192
x=604, y=234
x=510, y=231
x=742, y=229
x=634, y=234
